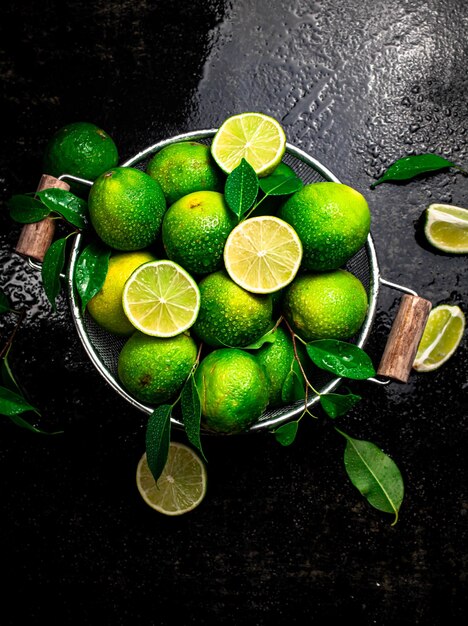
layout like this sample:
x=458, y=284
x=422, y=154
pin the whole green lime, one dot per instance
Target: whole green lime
x=277, y=359
x=126, y=208
x=106, y=306
x=152, y=369
x=81, y=149
x=230, y=315
x=183, y=167
x=195, y=229
x=332, y=221
x=332, y=305
x=233, y=390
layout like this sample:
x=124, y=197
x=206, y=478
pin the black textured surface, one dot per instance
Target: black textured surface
x=282, y=535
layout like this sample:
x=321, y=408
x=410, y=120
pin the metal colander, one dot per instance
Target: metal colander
x=103, y=348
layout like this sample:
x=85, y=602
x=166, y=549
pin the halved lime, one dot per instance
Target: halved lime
x=181, y=486
x=256, y=137
x=441, y=337
x=263, y=254
x=446, y=228
x=161, y=299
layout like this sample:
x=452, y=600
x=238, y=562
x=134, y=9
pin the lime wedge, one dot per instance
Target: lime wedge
x=446, y=228
x=262, y=254
x=181, y=486
x=256, y=137
x=161, y=299
x=441, y=337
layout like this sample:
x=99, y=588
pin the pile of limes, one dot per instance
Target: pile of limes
x=194, y=287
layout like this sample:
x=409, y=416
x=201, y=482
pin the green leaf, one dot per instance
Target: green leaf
x=191, y=412
x=7, y=376
x=337, y=404
x=286, y=434
x=22, y=423
x=12, y=403
x=26, y=209
x=281, y=182
x=341, y=358
x=241, y=188
x=91, y=271
x=410, y=166
x=66, y=204
x=52, y=267
x=5, y=304
x=158, y=438
x=374, y=474
x=268, y=337
x=293, y=385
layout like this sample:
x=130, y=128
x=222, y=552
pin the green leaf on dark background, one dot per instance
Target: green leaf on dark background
x=66, y=204
x=286, y=434
x=410, y=166
x=374, y=474
x=52, y=267
x=337, y=404
x=26, y=209
x=12, y=403
x=241, y=188
x=8, y=379
x=5, y=304
x=283, y=181
x=191, y=413
x=91, y=271
x=341, y=358
x=158, y=438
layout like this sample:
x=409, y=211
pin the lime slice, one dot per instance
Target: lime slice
x=256, y=137
x=181, y=486
x=446, y=228
x=441, y=337
x=262, y=254
x=161, y=299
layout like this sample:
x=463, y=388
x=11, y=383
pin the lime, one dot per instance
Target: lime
x=126, y=208
x=81, y=149
x=183, y=167
x=256, y=137
x=161, y=299
x=277, y=359
x=152, y=369
x=230, y=315
x=106, y=306
x=332, y=305
x=332, y=221
x=263, y=254
x=446, y=228
x=233, y=390
x=181, y=486
x=195, y=229
x=441, y=337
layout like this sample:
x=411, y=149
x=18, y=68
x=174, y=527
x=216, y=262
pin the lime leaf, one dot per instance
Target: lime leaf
x=341, y=358
x=268, y=337
x=91, y=271
x=52, y=267
x=22, y=423
x=26, y=209
x=7, y=376
x=191, y=412
x=286, y=434
x=337, y=404
x=5, y=305
x=66, y=204
x=410, y=166
x=374, y=474
x=280, y=183
x=241, y=188
x=12, y=403
x=293, y=385
x=158, y=436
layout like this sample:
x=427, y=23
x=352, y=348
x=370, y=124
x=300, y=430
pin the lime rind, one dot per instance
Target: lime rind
x=161, y=299
x=445, y=325
x=446, y=228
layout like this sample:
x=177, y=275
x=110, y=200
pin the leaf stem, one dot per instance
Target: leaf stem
x=21, y=315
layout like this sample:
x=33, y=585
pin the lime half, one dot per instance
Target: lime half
x=441, y=337
x=181, y=486
x=161, y=299
x=446, y=228
x=256, y=137
x=263, y=254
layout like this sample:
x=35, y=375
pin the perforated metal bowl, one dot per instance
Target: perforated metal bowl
x=103, y=348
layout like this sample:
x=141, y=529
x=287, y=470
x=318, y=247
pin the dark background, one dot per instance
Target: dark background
x=282, y=535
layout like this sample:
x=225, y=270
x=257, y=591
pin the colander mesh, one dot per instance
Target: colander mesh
x=103, y=348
